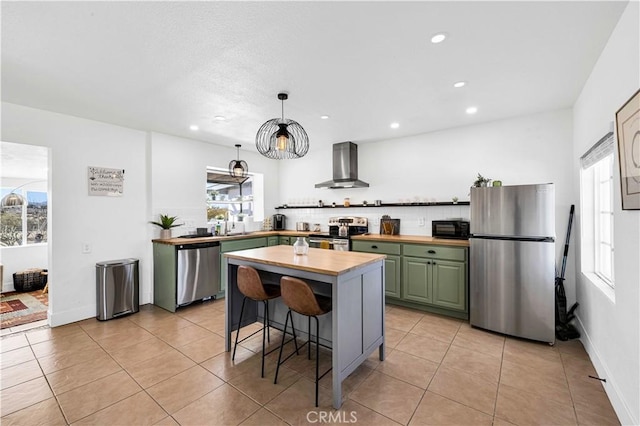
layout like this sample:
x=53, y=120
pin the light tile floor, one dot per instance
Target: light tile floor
x=155, y=367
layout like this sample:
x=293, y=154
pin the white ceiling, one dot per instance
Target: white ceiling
x=163, y=66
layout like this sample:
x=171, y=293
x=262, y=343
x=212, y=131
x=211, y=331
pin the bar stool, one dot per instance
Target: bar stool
x=251, y=286
x=299, y=297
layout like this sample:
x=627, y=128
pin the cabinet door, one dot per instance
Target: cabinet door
x=273, y=241
x=449, y=284
x=392, y=276
x=285, y=241
x=416, y=280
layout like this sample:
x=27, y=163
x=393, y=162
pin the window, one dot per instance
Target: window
x=25, y=224
x=228, y=200
x=603, y=223
x=596, y=188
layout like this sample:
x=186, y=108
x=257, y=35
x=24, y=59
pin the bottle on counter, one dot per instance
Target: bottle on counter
x=301, y=246
x=346, y=202
x=320, y=203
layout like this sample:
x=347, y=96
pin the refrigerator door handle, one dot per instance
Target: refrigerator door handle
x=513, y=238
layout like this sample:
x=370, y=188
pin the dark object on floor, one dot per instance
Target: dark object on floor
x=564, y=329
x=30, y=279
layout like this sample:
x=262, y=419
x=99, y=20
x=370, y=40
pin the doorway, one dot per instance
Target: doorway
x=24, y=236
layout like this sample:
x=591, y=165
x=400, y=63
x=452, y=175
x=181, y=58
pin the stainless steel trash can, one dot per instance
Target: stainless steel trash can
x=118, y=288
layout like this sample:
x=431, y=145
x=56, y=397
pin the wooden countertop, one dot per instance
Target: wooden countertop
x=257, y=234
x=327, y=262
x=419, y=239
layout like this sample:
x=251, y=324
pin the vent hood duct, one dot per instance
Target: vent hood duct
x=345, y=168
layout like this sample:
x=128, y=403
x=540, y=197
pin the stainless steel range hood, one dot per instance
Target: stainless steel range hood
x=345, y=168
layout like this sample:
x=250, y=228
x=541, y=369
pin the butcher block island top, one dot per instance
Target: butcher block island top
x=326, y=262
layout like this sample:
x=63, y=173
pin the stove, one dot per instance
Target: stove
x=333, y=240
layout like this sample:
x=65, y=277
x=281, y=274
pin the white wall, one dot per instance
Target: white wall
x=436, y=167
x=610, y=329
x=115, y=227
x=178, y=178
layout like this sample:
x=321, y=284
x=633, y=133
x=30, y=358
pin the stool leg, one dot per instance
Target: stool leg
x=266, y=308
x=317, y=352
x=309, y=336
x=244, y=299
x=264, y=325
x=284, y=334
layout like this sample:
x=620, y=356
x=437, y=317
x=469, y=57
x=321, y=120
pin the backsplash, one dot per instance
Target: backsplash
x=415, y=220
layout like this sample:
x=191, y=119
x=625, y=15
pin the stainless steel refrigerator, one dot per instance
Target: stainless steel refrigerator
x=512, y=266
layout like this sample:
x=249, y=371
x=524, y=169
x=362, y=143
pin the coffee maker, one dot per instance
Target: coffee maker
x=279, y=222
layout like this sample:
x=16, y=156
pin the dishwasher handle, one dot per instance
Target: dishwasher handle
x=191, y=246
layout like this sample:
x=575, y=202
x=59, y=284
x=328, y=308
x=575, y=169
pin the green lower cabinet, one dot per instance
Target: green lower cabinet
x=449, y=284
x=392, y=275
x=285, y=241
x=416, y=279
x=273, y=241
x=235, y=245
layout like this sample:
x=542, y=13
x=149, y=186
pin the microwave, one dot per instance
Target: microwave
x=451, y=228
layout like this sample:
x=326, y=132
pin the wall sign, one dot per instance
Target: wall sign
x=106, y=182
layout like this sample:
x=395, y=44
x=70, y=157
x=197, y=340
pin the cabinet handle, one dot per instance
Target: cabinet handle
x=431, y=251
x=374, y=247
x=434, y=263
x=428, y=262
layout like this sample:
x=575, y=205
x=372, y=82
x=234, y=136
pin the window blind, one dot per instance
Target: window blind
x=597, y=152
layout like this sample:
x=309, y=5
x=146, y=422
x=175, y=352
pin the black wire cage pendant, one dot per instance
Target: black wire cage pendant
x=238, y=168
x=281, y=138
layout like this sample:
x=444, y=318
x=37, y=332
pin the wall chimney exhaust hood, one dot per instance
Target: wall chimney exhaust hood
x=345, y=168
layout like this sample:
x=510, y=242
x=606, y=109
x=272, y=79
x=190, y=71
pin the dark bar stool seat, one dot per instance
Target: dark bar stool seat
x=251, y=286
x=300, y=298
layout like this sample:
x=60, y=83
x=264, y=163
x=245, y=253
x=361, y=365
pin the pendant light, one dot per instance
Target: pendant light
x=281, y=138
x=238, y=168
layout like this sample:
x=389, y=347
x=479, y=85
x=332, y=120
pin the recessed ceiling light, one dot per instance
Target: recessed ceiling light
x=194, y=127
x=395, y=125
x=438, y=38
x=324, y=117
x=220, y=118
x=459, y=84
x=472, y=110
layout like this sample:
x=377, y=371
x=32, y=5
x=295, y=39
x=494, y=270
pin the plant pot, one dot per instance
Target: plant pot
x=165, y=234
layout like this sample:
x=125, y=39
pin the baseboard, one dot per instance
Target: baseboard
x=613, y=392
x=62, y=318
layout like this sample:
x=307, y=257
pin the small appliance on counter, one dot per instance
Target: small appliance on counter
x=450, y=228
x=279, y=222
x=389, y=226
x=235, y=228
x=302, y=226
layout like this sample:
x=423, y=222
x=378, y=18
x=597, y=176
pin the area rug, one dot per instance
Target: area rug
x=22, y=308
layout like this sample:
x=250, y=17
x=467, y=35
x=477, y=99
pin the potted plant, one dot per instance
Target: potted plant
x=166, y=223
x=481, y=181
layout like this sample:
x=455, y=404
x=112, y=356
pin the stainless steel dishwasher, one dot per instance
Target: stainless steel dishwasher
x=198, y=272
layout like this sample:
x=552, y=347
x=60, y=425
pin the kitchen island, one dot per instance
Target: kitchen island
x=355, y=281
